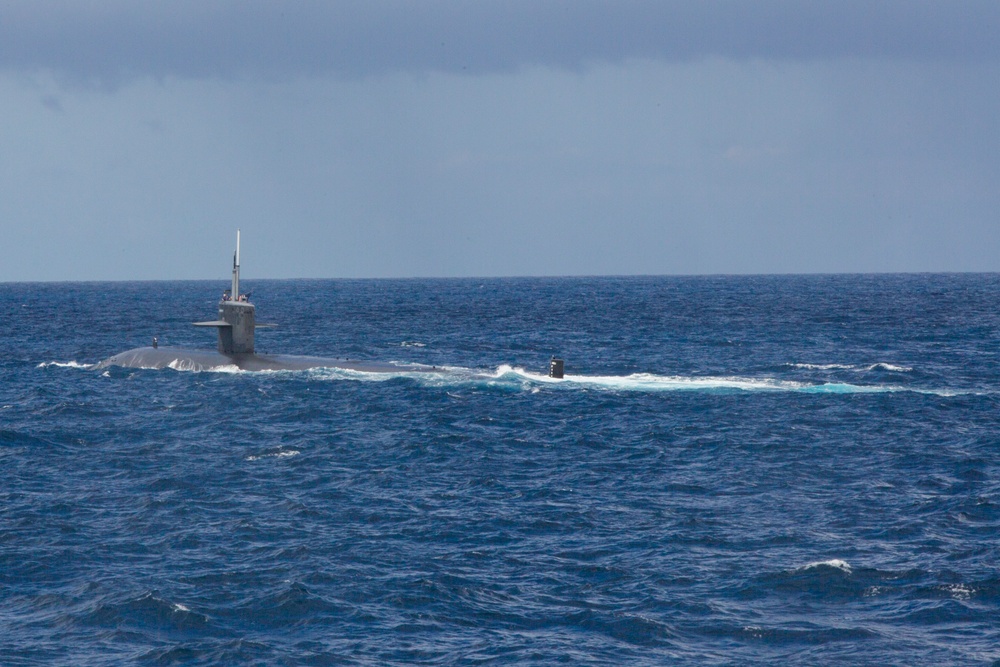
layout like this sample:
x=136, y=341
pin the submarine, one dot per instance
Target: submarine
x=236, y=323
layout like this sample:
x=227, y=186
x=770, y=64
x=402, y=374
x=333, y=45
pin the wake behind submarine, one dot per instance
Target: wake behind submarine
x=236, y=323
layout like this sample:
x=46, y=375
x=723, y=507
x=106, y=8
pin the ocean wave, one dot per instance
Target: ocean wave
x=890, y=367
x=827, y=579
x=146, y=612
x=281, y=453
x=836, y=563
x=66, y=364
x=959, y=591
x=858, y=368
x=807, y=634
x=190, y=366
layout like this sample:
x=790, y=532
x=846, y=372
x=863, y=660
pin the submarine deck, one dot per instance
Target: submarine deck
x=188, y=359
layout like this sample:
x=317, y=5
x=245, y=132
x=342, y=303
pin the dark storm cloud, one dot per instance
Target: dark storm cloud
x=114, y=41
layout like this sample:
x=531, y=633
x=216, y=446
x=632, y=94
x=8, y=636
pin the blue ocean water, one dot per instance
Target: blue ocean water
x=735, y=470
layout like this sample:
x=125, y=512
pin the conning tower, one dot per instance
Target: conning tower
x=237, y=320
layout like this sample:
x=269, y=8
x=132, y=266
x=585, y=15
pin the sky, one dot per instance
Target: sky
x=444, y=138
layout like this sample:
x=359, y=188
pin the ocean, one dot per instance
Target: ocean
x=735, y=470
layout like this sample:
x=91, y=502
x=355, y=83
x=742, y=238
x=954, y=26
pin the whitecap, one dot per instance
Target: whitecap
x=823, y=367
x=284, y=453
x=959, y=591
x=858, y=368
x=846, y=388
x=834, y=562
x=65, y=364
x=889, y=367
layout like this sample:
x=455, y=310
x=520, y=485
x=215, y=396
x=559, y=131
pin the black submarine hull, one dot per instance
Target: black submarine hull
x=179, y=358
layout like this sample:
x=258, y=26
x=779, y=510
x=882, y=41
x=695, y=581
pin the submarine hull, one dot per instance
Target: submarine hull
x=235, y=325
x=180, y=358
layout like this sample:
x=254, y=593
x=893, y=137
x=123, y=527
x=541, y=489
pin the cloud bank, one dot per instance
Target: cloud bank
x=445, y=138
x=113, y=41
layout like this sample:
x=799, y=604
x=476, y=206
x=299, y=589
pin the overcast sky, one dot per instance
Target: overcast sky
x=492, y=138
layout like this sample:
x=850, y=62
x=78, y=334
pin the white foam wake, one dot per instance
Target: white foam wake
x=66, y=364
x=651, y=382
x=647, y=382
x=438, y=375
x=858, y=368
x=192, y=366
x=514, y=377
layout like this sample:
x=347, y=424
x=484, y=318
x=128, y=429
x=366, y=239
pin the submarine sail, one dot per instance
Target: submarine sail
x=236, y=323
x=237, y=318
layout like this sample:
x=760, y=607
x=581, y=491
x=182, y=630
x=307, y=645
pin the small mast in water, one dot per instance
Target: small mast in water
x=234, y=295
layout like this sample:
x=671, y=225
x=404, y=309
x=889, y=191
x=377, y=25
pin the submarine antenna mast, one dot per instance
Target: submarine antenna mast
x=235, y=294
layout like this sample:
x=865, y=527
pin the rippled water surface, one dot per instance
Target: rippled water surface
x=772, y=470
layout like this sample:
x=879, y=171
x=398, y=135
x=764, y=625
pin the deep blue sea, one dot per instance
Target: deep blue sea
x=735, y=470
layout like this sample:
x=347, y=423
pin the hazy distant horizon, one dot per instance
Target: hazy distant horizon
x=248, y=280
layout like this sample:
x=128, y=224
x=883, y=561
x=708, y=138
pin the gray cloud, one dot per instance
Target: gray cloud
x=117, y=40
x=636, y=137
